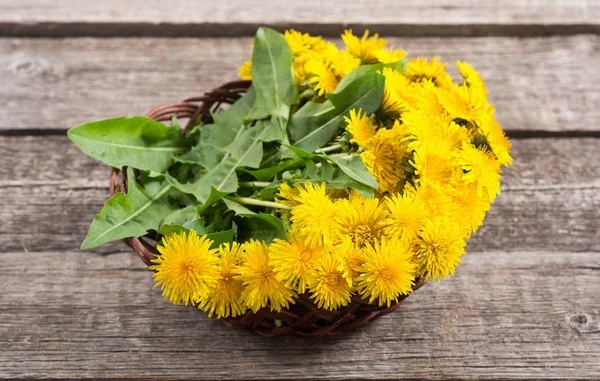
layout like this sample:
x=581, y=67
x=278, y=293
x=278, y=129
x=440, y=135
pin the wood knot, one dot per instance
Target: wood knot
x=32, y=67
x=584, y=323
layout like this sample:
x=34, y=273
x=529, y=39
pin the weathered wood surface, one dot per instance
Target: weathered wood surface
x=532, y=315
x=538, y=85
x=240, y=17
x=524, y=304
x=549, y=200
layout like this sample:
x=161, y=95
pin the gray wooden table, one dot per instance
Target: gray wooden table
x=525, y=303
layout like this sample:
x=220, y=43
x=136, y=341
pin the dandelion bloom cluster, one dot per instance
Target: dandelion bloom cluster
x=434, y=149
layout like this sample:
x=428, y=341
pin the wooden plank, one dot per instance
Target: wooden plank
x=238, y=17
x=550, y=198
x=536, y=84
x=505, y=315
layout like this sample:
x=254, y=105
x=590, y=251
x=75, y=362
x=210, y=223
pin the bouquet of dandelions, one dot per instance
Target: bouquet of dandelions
x=340, y=181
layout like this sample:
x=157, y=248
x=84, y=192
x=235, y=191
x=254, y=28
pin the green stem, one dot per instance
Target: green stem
x=254, y=184
x=253, y=201
x=331, y=148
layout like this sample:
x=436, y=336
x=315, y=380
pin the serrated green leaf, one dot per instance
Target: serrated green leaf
x=181, y=216
x=130, y=215
x=355, y=168
x=312, y=132
x=137, y=142
x=340, y=180
x=245, y=151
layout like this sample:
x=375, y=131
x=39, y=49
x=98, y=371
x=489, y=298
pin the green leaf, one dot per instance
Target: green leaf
x=245, y=151
x=364, y=69
x=181, y=216
x=272, y=75
x=355, y=168
x=341, y=180
x=269, y=173
x=262, y=227
x=220, y=238
x=237, y=208
x=228, y=125
x=130, y=215
x=137, y=142
x=312, y=132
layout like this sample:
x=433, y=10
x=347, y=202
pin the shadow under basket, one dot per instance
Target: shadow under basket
x=303, y=318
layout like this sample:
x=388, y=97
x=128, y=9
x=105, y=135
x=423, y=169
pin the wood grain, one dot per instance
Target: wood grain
x=238, y=17
x=537, y=84
x=531, y=315
x=549, y=201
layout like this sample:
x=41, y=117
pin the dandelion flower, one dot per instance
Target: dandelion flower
x=327, y=284
x=364, y=47
x=324, y=78
x=314, y=214
x=480, y=167
x=186, y=268
x=495, y=137
x=223, y=298
x=472, y=79
x=293, y=261
x=245, y=71
x=461, y=102
x=349, y=259
x=384, y=157
x=439, y=247
x=407, y=215
x=422, y=69
x=387, y=272
x=362, y=127
x=472, y=206
x=261, y=287
x=362, y=219
x=387, y=56
x=433, y=163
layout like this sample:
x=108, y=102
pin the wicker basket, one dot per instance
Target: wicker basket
x=303, y=318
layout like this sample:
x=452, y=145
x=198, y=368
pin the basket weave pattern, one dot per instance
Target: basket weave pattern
x=303, y=318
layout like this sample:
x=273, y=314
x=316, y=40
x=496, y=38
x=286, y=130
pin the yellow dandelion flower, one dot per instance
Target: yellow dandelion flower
x=472, y=79
x=341, y=62
x=365, y=47
x=461, y=102
x=436, y=200
x=421, y=128
x=422, y=69
x=287, y=194
x=314, y=214
x=390, y=55
x=327, y=284
x=362, y=219
x=426, y=98
x=383, y=158
x=472, y=207
x=294, y=260
x=433, y=163
x=324, y=78
x=224, y=297
x=303, y=42
x=407, y=215
x=495, y=137
x=396, y=98
x=245, y=71
x=261, y=287
x=439, y=247
x=349, y=258
x=186, y=268
x=362, y=127
x=480, y=167
x=387, y=271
